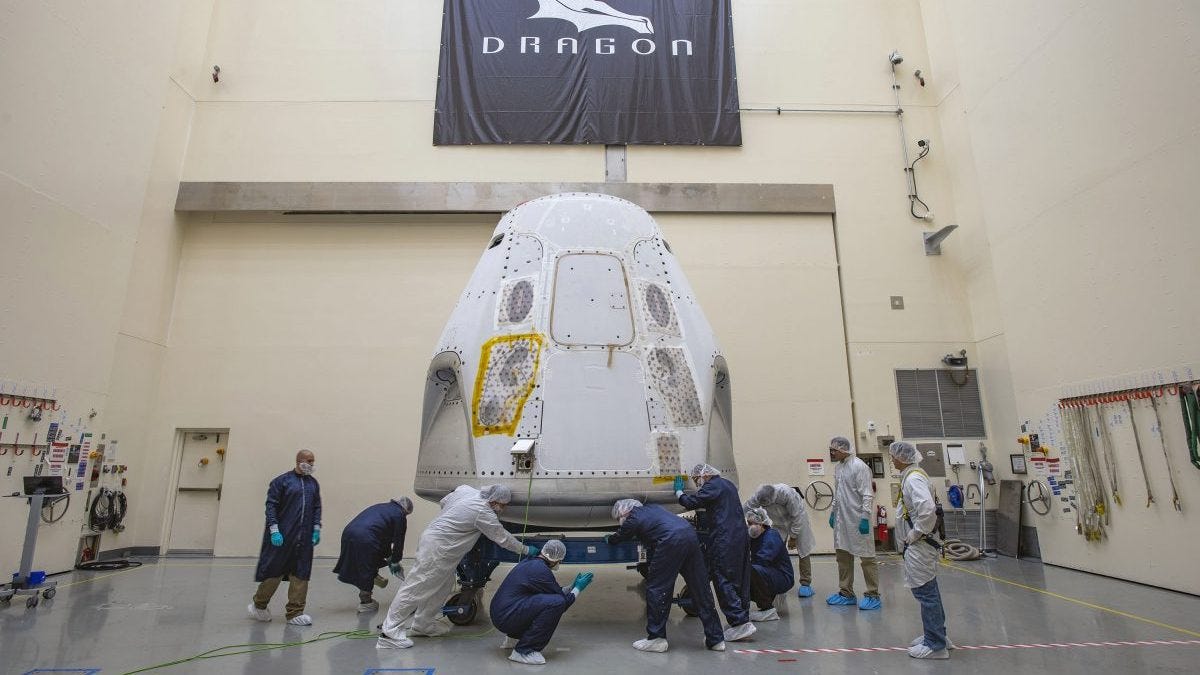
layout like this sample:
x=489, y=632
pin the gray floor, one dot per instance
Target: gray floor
x=175, y=608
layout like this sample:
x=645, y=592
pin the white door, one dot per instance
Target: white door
x=198, y=497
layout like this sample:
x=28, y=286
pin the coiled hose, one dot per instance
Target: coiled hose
x=108, y=511
x=957, y=550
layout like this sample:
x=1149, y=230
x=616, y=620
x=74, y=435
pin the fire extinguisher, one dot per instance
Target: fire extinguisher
x=881, y=525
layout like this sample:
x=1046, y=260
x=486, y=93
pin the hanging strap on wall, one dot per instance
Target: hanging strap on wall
x=1137, y=439
x=1162, y=440
x=1189, y=405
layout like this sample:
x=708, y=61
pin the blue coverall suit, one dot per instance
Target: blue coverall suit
x=728, y=554
x=529, y=604
x=770, y=568
x=673, y=549
x=293, y=504
x=373, y=539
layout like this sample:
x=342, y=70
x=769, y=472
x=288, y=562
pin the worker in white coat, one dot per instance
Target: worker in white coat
x=786, y=509
x=850, y=518
x=916, y=519
x=466, y=513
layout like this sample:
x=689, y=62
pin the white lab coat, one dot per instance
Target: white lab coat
x=789, y=515
x=916, y=499
x=852, y=501
x=465, y=515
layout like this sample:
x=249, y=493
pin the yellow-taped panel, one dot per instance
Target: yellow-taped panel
x=508, y=366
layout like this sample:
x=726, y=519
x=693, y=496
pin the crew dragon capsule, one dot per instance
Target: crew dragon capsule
x=577, y=368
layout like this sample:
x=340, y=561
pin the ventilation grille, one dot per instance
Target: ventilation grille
x=940, y=403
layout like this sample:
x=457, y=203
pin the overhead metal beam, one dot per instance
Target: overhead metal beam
x=340, y=198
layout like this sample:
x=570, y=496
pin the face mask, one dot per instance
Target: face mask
x=756, y=531
x=305, y=469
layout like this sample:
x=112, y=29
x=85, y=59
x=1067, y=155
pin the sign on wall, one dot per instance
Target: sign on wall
x=587, y=71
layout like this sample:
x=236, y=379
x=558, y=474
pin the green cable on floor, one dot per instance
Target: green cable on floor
x=361, y=634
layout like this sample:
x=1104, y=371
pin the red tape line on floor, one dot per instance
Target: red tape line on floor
x=1047, y=645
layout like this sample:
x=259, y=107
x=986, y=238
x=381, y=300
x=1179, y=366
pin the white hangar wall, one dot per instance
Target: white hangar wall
x=197, y=322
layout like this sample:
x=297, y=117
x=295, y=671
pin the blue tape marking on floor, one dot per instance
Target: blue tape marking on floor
x=80, y=671
x=372, y=671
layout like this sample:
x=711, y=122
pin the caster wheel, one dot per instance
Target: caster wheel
x=472, y=608
x=5, y=602
x=643, y=569
x=49, y=593
x=31, y=602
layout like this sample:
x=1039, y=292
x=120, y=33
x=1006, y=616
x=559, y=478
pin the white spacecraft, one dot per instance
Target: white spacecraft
x=577, y=368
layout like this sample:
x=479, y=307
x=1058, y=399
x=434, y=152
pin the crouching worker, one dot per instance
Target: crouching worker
x=466, y=514
x=529, y=604
x=770, y=568
x=917, y=518
x=373, y=539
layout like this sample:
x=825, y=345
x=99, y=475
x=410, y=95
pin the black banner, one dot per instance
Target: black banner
x=587, y=71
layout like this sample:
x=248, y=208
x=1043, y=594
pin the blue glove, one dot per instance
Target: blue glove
x=396, y=570
x=532, y=551
x=832, y=517
x=864, y=526
x=316, y=536
x=582, y=580
x=679, y=483
x=277, y=539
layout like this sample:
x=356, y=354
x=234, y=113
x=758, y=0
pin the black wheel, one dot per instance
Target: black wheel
x=643, y=569
x=1038, y=497
x=5, y=602
x=471, y=600
x=31, y=602
x=49, y=593
x=819, y=495
x=685, y=602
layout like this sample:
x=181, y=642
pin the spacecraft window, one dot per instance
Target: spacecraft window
x=496, y=241
x=667, y=246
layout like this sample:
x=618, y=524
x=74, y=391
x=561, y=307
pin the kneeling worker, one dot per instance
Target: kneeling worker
x=770, y=568
x=373, y=539
x=529, y=603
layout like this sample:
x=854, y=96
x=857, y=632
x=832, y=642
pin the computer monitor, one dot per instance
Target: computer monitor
x=43, y=485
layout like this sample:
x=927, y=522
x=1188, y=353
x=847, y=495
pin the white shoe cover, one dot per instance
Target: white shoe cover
x=719, y=647
x=302, y=620
x=435, y=629
x=765, y=615
x=258, y=614
x=922, y=651
x=658, y=645
x=920, y=640
x=401, y=642
x=508, y=643
x=532, y=658
x=735, y=633
x=365, y=607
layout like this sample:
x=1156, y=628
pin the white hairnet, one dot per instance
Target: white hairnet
x=765, y=494
x=404, y=503
x=623, y=507
x=496, y=493
x=704, y=471
x=841, y=443
x=554, y=550
x=758, y=515
x=905, y=452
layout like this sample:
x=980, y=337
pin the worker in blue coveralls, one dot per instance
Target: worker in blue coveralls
x=293, y=528
x=529, y=604
x=770, y=567
x=728, y=545
x=373, y=539
x=672, y=548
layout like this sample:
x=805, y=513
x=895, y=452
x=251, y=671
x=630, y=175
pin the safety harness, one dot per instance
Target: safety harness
x=902, y=506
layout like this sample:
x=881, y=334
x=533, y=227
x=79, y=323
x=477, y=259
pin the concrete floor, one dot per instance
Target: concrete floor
x=174, y=608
